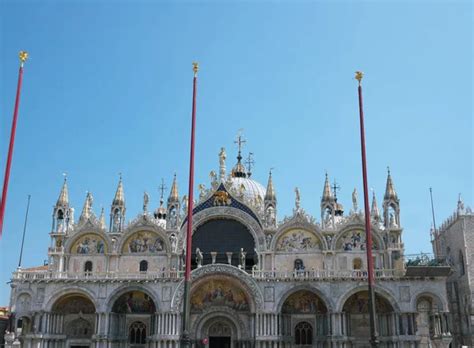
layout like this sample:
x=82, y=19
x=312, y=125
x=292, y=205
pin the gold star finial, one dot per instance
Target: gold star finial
x=195, y=68
x=23, y=55
x=359, y=76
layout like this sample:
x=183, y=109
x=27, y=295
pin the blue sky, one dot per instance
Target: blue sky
x=108, y=90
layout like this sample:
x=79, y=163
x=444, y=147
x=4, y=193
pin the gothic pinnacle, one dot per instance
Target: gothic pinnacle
x=327, y=194
x=174, y=195
x=270, y=193
x=63, y=199
x=119, y=198
x=390, y=192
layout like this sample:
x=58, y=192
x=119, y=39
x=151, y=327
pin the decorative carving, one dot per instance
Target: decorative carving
x=199, y=257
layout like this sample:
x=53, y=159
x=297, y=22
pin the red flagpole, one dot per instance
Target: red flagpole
x=23, y=56
x=185, y=339
x=368, y=233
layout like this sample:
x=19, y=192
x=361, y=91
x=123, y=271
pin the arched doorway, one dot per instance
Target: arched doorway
x=77, y=314
x=357, y=324
x=305, y=319
x=133, y=314
x=225, y=237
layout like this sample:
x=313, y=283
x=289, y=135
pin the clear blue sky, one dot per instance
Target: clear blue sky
x=108, y=90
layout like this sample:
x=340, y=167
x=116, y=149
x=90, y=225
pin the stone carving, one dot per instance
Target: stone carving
x=144, y=242
x=270, y=219
x=299, y=265
x=355, y=206
x=202, y=192
x=268, y=240
x=242, y=258
x=134, y=302
x=146, y=199
x=298, y=240
x=219, y=292
x=222, y=198
x=297, y=199
x=199, y=257
x=173, y=242
x=89, y=244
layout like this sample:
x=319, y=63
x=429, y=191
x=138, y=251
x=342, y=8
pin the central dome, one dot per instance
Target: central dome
x=252, y=190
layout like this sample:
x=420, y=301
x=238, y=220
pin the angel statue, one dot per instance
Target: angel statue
x=199, y=257
x=297, y=198
x=355, y=206
x=213, y=177
x=202, y=191
x=185, y=204
x=146, y=199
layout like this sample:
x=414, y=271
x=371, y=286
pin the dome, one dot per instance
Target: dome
x=253, y=190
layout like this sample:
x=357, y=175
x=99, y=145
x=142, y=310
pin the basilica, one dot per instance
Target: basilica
x=258, y=279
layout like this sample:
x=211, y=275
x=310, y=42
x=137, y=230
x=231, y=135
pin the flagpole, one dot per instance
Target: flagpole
x=23, y=55
x=24, y=231
x=185, y=337
x=368, y=233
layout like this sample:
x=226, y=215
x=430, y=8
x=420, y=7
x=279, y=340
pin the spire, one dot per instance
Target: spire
x=374, y=212
x=270, y=194
x=119, y=198
x=87, y=209
x=63, y=199
x=390, y=190
x=327, y=193
x=102, y=219
x=174, y=195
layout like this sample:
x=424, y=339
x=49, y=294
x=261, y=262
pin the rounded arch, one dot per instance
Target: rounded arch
x=384, y=293
x=88, y=242
x=215, y=270
x=228, y=213
x=146, y=232
x=23, y=301
x=201, y=326
x=358, y=235
x=74, y=303
x=436, y=300
x=67, y=290
x=294, y=289
x=124, y=289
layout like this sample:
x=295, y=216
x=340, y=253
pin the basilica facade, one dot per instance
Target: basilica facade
x=257, y=280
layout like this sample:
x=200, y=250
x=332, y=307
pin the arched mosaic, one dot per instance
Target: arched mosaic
x=354, y=241
x=303, y=302
x=219, y=292
x=298, y=240
x=144, y=242
x=73, y=304
x=89, y=244
x=359, y=303
x=134, y=302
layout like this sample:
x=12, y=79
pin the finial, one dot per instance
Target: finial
x=65, y=176
x=195, y=68
x=240, y=141
x=249, y=162
x=162, y=187
x=23, y=55
x=388, y=170
x=358, y=76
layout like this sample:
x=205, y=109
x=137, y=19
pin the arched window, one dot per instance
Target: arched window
x=137, y=333
x=88, y=267
x=461, y=263
x=143, y=266
x=357, y=264
x=303, y=334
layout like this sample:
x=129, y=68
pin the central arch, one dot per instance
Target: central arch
x=224, y=236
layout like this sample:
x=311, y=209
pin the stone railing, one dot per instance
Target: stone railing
x=327, y=274
x=175, y=275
